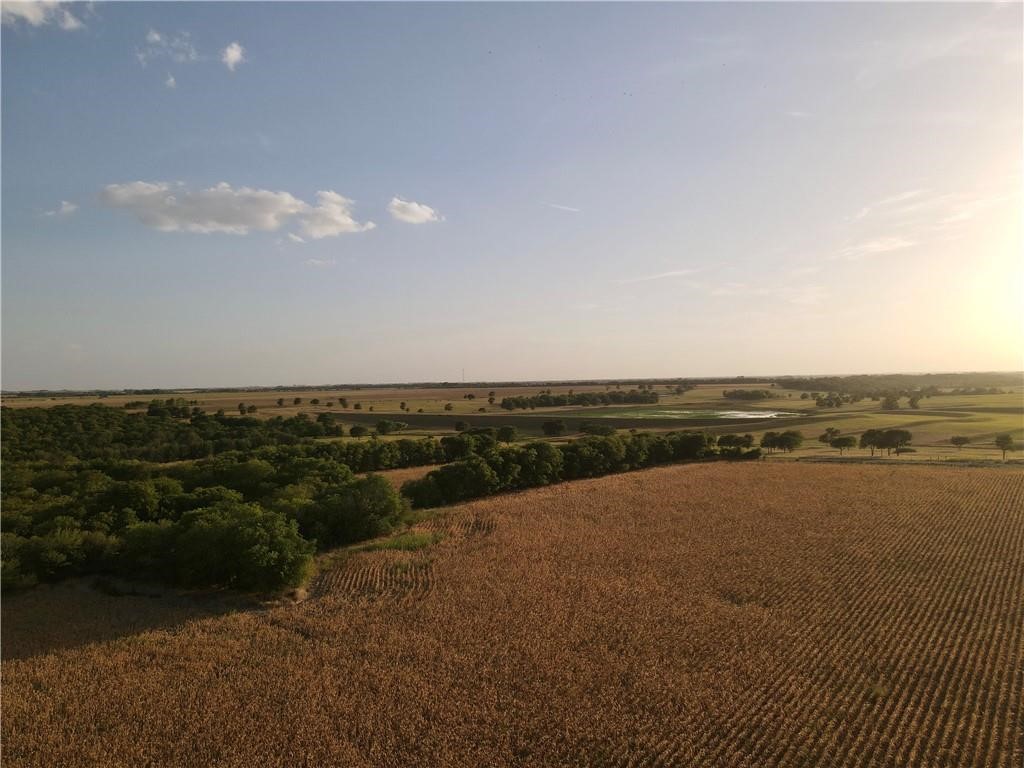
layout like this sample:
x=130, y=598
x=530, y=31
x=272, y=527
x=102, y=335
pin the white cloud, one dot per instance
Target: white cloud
x=170, y=82
x=69, y=21
x=563, y=207
x=411, y=212
x=295, y=238
x=66, y=209
x=39, y=13
x=177, y=48
x=222, y=208
x=332, y=216
x=659, y=276
x=232, y=56
x=320, y=262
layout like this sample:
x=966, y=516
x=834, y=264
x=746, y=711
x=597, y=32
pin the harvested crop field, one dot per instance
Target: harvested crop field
x=763, y=614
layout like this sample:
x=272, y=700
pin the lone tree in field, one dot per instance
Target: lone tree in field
x=959, y=441
x=448, y=406
x=828, y=436
x=1005, y=443
x=280, y=402
x=358, y=431
x=554, y=427
x=842, y=443
x=890, y=403
x=297, y=401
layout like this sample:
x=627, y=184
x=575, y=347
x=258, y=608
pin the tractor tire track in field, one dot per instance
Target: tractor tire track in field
x=398, y=574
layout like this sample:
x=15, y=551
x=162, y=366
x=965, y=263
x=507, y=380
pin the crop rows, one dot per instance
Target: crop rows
x=708, y=615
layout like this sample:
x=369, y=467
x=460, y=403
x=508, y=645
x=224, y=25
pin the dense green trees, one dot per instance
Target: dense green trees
x=523, y=466
x=255, y=497
x=99, y=432
x=387, y=427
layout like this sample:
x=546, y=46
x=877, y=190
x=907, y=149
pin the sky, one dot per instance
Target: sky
x=221, y=194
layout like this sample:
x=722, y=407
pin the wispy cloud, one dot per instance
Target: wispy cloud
x=658, y=276
x=886, y=203
x=176, y=47
x=320, y=262
x=170, y=82
x=875, y=247
x=39, y=13
x=568, y=208
x=295, y=238
x=798, y=114
x=989, y=36
x=66, y=208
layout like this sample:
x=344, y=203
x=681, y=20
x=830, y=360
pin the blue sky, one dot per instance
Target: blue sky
x=273, y=193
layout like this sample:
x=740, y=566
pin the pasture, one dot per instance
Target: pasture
x=760, y=614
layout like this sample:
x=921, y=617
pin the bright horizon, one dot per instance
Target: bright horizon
x=260, y=194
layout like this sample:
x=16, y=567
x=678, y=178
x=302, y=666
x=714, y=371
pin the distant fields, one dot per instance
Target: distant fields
x=979, y=417
x=758, y=614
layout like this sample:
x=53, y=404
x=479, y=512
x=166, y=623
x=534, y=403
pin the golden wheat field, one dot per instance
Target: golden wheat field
x=703, y=615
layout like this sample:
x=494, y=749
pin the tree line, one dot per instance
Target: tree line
x=549, y=400
x=538, y=463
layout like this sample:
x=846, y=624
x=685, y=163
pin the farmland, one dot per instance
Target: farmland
x=764, y=614
x=933, y=422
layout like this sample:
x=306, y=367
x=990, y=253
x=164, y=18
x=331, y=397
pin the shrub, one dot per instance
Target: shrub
x=243, y=546
x=363, y=509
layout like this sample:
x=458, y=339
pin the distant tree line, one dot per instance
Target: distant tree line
x=612, y=397
x=166, y=434
x=746, y=394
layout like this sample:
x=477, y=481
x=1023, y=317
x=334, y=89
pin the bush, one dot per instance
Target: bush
x=554, y=427
x=364, y=509
x=242, y=546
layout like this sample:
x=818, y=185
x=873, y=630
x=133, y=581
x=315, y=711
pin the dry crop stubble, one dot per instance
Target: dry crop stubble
x=721, y=614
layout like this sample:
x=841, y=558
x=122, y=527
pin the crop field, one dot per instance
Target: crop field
x=757, y=614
